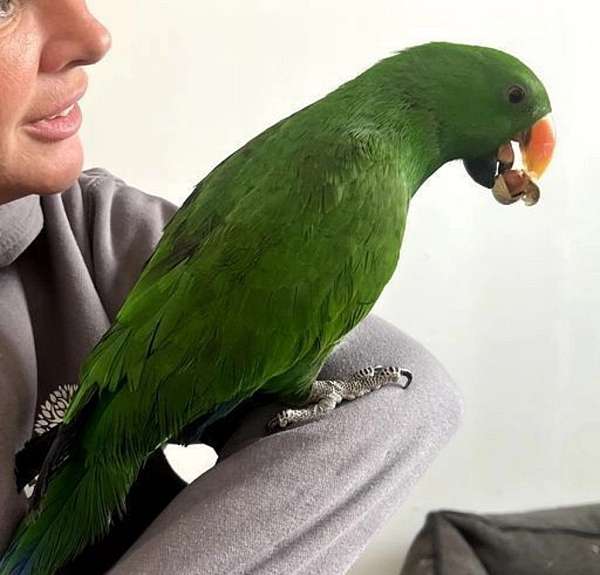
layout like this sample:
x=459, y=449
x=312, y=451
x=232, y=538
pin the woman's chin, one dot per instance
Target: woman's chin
x=57, y=167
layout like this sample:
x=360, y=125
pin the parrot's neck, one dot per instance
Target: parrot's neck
x=381, y=100
x=414, y=142
x=418, y=146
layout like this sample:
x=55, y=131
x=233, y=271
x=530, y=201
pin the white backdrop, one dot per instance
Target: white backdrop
x=507, y=298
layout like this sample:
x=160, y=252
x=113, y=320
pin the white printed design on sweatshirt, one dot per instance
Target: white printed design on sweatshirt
x=52, y=411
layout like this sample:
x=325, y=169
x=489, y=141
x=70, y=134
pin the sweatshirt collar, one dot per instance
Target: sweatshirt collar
x=20, y=222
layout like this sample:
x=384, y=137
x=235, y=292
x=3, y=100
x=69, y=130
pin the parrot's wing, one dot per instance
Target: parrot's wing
x=236, y=290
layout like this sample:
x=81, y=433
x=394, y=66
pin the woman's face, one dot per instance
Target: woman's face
x=44, y=45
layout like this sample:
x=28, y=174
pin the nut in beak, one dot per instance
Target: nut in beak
x=512, y=185
x=496, y=170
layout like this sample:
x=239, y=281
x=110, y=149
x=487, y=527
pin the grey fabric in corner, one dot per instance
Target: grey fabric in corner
x=564, y=541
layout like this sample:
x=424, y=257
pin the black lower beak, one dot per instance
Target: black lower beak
x=483, y=169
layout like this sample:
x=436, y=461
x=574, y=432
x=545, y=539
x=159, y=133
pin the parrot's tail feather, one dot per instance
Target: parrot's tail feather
x=28, y=461
x=76, y=510
x=58, y=453
x=21, y=568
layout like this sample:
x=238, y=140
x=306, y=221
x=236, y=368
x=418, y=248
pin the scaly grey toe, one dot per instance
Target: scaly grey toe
x=326, y=394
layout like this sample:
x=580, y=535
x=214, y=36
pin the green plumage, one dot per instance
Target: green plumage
x=280, y=251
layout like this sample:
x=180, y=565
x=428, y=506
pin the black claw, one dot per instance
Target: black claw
x=408, y=375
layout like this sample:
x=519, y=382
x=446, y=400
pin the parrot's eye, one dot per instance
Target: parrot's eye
x=516, y=94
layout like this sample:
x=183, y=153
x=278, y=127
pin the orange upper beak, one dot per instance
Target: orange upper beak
x=537, y=146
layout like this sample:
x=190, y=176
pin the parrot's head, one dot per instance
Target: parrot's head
x=483, y=99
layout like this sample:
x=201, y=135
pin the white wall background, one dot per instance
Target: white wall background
x=508, y=298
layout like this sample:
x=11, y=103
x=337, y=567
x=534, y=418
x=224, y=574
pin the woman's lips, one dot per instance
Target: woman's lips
x=59, y=128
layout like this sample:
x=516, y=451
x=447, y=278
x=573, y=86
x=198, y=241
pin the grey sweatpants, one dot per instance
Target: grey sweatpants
x=306, y=500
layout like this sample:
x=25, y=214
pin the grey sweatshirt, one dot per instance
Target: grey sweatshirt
x=67, y=262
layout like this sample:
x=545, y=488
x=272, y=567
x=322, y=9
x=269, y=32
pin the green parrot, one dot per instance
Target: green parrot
x=278, y=252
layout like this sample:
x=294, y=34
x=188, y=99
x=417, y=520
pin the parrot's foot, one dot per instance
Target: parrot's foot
x=326, y=394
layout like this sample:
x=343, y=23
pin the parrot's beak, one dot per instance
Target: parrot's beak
x=537, y=146
x=508, y=185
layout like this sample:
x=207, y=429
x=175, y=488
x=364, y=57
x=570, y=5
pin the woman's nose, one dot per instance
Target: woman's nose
x=73, y=36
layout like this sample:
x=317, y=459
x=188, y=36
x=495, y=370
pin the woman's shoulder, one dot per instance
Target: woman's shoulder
x=105, y=189
x=116, y=227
